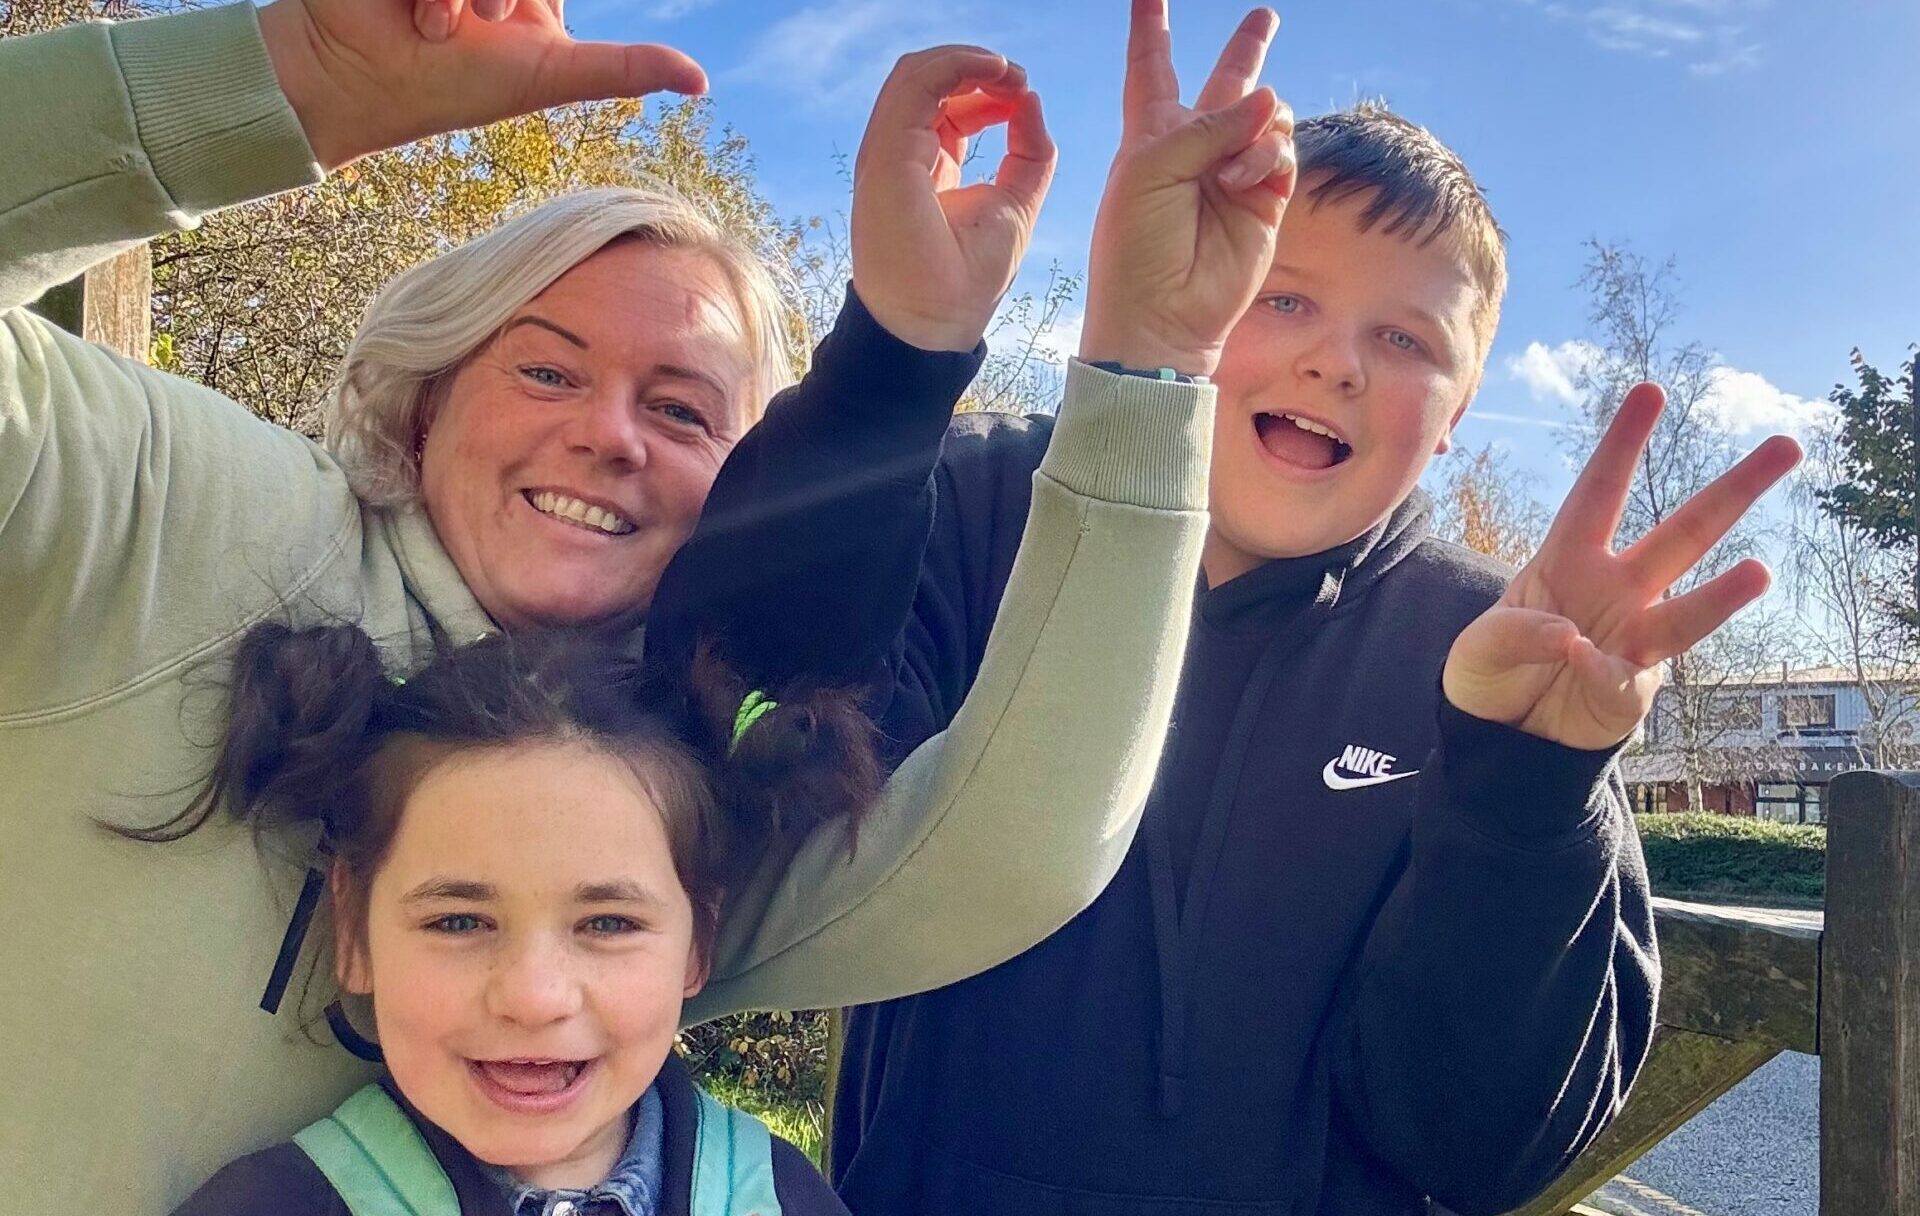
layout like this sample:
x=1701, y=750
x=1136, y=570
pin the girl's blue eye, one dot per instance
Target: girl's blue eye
x=1285, y=305
x=608, y=925
x=455, y=923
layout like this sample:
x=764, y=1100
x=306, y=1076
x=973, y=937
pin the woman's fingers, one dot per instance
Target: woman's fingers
x=1186, y=153
x=437, y=19
x=1269, y=163
x=1151, y=83
x=592, y=71
x=1238, y=69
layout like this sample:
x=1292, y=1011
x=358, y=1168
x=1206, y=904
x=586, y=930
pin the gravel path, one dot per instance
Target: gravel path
x=1755, y=1152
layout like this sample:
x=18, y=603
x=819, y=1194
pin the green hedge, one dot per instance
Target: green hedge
x=1734, y=856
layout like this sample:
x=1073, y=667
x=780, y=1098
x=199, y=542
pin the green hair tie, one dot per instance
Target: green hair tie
x=756, y=706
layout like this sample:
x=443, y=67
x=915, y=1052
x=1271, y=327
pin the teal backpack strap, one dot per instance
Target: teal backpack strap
x=732, y=1162
x=375, y=1158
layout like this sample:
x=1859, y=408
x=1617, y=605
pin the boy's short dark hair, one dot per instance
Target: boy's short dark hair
x=1420, y=189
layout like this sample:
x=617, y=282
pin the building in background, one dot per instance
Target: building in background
x=1777, y=742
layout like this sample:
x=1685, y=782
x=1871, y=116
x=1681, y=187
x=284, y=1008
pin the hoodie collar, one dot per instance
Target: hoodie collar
x=1285, y=586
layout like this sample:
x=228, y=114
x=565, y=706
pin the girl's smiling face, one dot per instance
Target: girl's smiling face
x=527, y=943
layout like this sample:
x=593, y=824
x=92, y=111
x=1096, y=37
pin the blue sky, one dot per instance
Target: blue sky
x=1772, y=147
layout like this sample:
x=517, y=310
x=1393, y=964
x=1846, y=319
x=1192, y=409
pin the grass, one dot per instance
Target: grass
x=797, y=1120
x=1735, y=857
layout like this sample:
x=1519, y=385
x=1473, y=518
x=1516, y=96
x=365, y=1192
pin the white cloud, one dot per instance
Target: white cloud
x=1746, y=403
x=1711, y=36
x=831, y=54
x=1552, y=374
x=1479, y=415
x=673, y=10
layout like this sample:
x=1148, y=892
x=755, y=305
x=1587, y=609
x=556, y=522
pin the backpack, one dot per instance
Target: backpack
x=376, y=1159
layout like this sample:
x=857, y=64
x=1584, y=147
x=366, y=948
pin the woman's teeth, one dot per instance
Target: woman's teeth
x=576, y=512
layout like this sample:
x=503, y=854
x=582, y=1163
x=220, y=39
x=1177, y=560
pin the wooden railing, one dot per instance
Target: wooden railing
x=1741, y=985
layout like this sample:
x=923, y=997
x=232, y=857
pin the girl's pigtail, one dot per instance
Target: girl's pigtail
x=300, y=704
x=810, y=759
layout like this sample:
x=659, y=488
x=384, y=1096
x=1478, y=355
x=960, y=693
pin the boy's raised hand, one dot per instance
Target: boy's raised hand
x=932, y=258
x=1573, y=650
x=364, y=75
x=1186, y=228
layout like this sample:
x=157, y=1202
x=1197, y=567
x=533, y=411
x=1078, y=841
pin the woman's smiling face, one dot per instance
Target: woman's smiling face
x=567, y=460
x=527, y=944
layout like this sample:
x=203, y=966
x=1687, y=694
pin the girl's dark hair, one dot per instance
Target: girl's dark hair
x=320, y=733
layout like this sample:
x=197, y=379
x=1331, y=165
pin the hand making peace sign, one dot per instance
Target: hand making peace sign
x=1186, y=229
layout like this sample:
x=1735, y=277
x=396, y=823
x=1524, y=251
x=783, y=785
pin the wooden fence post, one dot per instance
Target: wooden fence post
x=111, y=305
x=1870, y=998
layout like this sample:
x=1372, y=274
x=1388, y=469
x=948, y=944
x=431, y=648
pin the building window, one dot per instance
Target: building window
x=1805, y=712
x=1738, y=711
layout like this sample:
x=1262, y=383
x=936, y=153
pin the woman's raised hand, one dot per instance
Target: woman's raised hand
x=363, y=75
x=932, y=258
x=1186, y=229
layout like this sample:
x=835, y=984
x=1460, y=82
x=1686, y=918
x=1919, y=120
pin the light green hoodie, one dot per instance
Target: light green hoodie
x=146, y=522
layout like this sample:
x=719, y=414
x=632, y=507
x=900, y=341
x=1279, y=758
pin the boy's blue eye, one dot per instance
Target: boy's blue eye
x=455, y=923
x=1403, y=340
x=608, y=925
x=1283, y=304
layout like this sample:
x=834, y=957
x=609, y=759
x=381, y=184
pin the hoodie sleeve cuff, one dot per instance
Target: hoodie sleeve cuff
x=885, y=383
x=215, y=125
x=1132, y=440
x=1518, y=788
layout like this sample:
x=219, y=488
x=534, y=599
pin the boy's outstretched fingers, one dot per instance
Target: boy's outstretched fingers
x=1674, y=626
x=1591, y=513
x=1679, y=542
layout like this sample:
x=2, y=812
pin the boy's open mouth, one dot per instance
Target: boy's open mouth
x=1301, y=441
x=531, y=1078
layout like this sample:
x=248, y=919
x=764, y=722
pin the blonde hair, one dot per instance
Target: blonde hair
x=420, y=327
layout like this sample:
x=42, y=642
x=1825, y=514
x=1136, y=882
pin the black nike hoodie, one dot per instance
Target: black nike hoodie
x=1368, y=955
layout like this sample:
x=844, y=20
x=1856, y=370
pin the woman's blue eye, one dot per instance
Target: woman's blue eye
x=609, y=925
x=682, y=414
x=456, y=923
x=546, y=377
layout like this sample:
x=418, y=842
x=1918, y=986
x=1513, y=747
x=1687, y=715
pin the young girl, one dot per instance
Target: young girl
x=530, y=842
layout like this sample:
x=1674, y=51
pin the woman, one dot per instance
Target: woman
x=145, y=523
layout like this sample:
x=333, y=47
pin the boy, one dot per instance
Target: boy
x=1384, y=939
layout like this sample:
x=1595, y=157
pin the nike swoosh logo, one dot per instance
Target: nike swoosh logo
x=1339, y=781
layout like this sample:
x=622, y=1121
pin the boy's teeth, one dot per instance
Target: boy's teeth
x=572, y=509
x=1307, y=424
